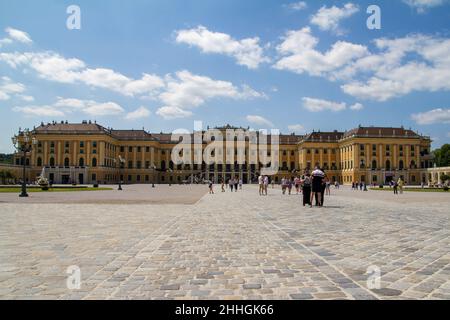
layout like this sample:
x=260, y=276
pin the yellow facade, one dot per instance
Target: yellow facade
x=87, y=153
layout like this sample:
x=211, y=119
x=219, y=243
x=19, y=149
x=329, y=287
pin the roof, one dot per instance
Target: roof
x=132, y=135
x=323, y=136
x=66, y=128
x=381, y=132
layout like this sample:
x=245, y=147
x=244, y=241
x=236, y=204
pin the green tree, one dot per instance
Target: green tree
x=5, y=175
x=442, y=156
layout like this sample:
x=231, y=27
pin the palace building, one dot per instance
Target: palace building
x=87, y=152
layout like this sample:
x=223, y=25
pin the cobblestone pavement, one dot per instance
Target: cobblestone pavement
x=228, y=246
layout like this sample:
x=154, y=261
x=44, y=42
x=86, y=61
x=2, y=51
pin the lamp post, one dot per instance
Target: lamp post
x=170, y=181
x=121, y=165
x=153, y=167
x=23, y=142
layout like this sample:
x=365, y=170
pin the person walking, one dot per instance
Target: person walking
x=395, y=187
x=211, y=191
x=317, y=179
x=297, y=184
x=401, y=184
x=283, y=185
x=223, y=185
x=289, y=186
x=261, y=185
x=266, y=184
x=236, y=184
x=231, y=184
x=306, y=189
x=327, y=187
x=240, y=184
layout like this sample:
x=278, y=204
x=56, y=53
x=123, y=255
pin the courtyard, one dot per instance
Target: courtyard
x=179, y=242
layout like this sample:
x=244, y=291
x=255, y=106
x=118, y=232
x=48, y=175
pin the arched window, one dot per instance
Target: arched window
x=401, y=165
x=413, y=164
x=171, y=165
x=52, y=162
x=39, y=162
x=81, y=162
x=374, y=164
x=362, y=165
x=27, y=162
x=94, y=162
x=66, y=162
x=388, y=165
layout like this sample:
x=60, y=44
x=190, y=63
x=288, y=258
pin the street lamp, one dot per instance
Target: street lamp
x=24, y=142
x=121, y=165
x=153, y=167
x=170, y=171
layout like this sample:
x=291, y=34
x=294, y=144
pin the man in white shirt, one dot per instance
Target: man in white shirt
x=261, y=185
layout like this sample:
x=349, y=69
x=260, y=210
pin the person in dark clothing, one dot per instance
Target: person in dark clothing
x=306, y=186
x=322, y=194
x=317, y=181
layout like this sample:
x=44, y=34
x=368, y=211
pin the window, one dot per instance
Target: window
x=308, y=151
x=122, y=149
x=147, y=164
x=139, y=149
x=139, y=164
x=81, y=162
x=94, y=144
x=130, y=149
x=401, y=165
x=138, y=178
x=66, y=162
x=147, y=149
x=374, y=149
x=94, y=162
x=39, y=162
x=130, y=164
x=388, y=165
x=94, y=177
x=81, y=144
x=52, y=162
x=129, y=177
x=374, y=164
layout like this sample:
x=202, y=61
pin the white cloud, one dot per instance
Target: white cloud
x=139, y=113
x=186, y=91
x=297, y=128
x=26, y=98
x=391, y=76
x=297, y=6
x=432, y=117
x=54, y=67
x=39, y=111
x=18, y=35
x=356, y=107
x=8, y=88
x=422, y=5
x=318, y=105
x=247, y=52
x=329, y=18
x=66, y=106
x=299, y=54
x=170, y=113
x=258, y=120
x=5, y=41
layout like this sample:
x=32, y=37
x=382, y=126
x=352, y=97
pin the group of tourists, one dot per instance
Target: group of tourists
x=263, y=183
x=359, y=186
x=313, y=185
x=233, y=184
x=397, y=185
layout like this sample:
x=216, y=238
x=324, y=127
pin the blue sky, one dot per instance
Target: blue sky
x=295, y=66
